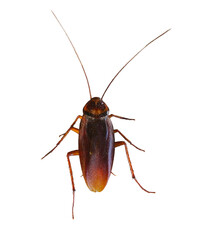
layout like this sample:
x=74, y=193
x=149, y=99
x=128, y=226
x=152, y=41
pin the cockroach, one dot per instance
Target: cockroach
x=96, y=137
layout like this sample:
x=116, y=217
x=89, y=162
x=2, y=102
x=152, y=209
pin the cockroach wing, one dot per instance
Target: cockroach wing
x=96, y=151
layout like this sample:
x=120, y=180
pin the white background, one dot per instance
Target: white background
x=43, y=89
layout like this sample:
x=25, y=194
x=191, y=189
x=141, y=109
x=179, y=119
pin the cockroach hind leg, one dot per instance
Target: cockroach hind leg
x=73, y=217
x=142, y=187
x=72, y=153
x=117, y=144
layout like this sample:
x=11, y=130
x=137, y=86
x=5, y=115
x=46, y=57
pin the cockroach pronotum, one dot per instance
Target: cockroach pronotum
x=96, y=137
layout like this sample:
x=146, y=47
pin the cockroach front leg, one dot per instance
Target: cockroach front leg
x=112, y=115
x=65, y=134
x=117, y=144
x=72, y=153
x=117, y=131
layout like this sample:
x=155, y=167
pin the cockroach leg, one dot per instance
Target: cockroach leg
x=117, y=144
x=64, y=135
x=113, y=174
x=112, y=115
x=117, y=131
x=73, y=129
x=72, y=153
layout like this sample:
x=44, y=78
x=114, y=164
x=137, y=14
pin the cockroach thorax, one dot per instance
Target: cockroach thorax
x=96, y=108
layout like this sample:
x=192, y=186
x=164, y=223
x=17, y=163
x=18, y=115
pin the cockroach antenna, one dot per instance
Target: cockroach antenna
x=131, y=60
x=74, y=51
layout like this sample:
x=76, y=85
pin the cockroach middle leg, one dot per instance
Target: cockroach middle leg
x=117, y=131
x=117, y=144
x=65, y=134
x=73, y=129
x=72, y=153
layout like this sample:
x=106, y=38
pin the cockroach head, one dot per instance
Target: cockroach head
x=96, y=108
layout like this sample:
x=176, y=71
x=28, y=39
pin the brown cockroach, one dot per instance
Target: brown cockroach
x=96, y=137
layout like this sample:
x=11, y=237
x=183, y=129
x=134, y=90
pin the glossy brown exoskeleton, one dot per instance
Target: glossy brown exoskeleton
x=96, y=144
x=96, y=139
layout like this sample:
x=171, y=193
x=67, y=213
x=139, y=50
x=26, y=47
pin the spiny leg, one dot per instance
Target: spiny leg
x=117, y=131
x=117, y=144
x=112, y=115
x=65, y=134
x=72, y=153
x=73, y=129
